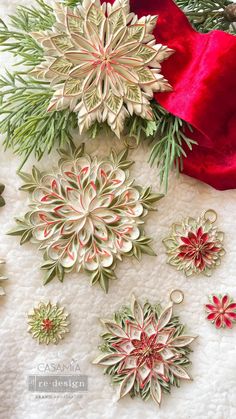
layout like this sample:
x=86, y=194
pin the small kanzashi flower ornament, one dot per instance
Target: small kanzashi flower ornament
x=195, y=246
x=221, y=311
x=2, y=278
x=86, y=215
x=103, y=62
x=48, y=323
x=145, y=350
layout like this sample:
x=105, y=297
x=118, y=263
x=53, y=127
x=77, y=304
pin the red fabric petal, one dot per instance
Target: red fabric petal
x=184, y=255
x=215, y=249
x=231, y=306
x=149, y=362
x=204, y=238
x=192, y=237
x=136, y=343
x=184, y=248
x=227, y=322
x=212, y=316
x=216, y=300
x=144, y=338
x=151, y=340
x=218, y=322
x=231, y=315
x=185, y=240
x=211, y=307
x=225, y=301
x=199, y=232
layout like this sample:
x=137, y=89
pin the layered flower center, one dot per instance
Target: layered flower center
x=198, y=247
x=47, y=324
x=147, y=350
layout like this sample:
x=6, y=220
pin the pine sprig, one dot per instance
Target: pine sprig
x=168, y=138
x=27, y=125
x=169, y=144
x=207, y=15
x=16, y=38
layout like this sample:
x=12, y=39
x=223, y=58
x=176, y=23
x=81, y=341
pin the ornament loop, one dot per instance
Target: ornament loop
x=177, y=296
x=210, y=215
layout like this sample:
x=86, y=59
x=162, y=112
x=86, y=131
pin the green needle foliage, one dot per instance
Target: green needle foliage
x=27, y=125
x=29, y=128
x=206, y=15
x=167, y=136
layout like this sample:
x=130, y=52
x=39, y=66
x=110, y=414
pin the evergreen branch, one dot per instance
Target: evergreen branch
x=33, y=19
x=170, y=143
x=29, y=128
x=168, y=137
x=207, y=15
x=17, y=39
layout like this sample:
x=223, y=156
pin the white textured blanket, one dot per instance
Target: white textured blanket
x=212, y=392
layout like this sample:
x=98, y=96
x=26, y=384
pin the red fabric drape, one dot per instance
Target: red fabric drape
x=202, y=72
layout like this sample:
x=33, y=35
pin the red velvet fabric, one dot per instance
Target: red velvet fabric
x=202, y=72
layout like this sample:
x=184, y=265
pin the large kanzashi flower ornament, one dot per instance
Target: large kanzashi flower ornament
x=87, y=214
x=145, y=351
x=103, y=62
x=195, y=246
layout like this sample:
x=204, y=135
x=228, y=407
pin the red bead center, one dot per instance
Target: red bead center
x=47, y=324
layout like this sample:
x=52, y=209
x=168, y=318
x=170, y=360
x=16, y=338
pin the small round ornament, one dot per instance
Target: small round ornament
x=48, y=323
x=145, y=350
x=86, y=214
x=221, y=311
x=195, y=246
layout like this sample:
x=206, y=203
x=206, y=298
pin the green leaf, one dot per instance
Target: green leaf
x=62, y=42
x=61, y=66
x=104, y=282
x=26, y=236
x=72, y=87
x=50, y=274
x=114, y=103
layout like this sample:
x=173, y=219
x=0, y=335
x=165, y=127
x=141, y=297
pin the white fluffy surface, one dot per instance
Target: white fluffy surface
x=212, y=392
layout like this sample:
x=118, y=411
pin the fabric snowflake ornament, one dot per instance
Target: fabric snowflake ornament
x=87, y=214
x=195, y=246
x=48, y=323
x=221, y=311
x=145, y=351
x=103, y=62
